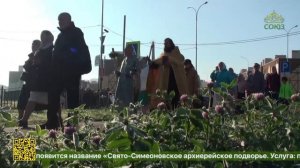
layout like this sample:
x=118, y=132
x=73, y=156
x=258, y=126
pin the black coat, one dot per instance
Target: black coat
x=29, y=68
x=28, y=63
x=71, y=57
x=256, y=83
x=42, y=69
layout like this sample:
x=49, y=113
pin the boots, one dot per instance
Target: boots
x=20, y=117
x=23, y=124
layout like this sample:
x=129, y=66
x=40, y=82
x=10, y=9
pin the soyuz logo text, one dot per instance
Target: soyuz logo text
x=274, y=21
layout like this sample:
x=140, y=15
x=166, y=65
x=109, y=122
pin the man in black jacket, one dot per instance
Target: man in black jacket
x=70, y=60
x=256, y=81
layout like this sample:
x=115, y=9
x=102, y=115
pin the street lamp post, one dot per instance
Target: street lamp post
x=287, y=40
x=100, y=70
x=247, y=61
x=100, y=75
x=196, y=12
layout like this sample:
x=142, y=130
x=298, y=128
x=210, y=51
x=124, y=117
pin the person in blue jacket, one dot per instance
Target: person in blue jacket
x=222, y=76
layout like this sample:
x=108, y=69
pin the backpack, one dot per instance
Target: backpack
x=81, y=62
x=71, y=47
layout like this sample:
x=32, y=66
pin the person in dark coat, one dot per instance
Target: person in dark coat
x=273, y=84
x=256, y=81
x=241, y=86
x=192, y=77
x=26, y=77
x=40, y=76
x=70, y=59
x=213, y=75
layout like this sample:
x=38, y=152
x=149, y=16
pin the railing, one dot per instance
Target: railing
x=9, y=98
x=88, y=97
x=91, y=99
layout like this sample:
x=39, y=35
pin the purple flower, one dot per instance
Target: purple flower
x=205, y=115
x=258, y=96
x=210, y=85
x=295, y=97
x=184, y=97
x=96, y=139
x=52, y=134
x=219, y=109
x=158, y=92
x=161, y=105
x=69, y=130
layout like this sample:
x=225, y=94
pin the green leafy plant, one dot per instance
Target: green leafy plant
x=255, y=124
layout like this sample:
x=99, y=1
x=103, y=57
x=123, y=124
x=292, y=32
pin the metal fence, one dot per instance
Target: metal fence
x=88, y=97
x=9, y=98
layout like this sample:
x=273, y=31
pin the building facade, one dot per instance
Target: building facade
x=15, y=84
x=286, y=67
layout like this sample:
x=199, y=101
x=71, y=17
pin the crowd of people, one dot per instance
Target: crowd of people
x=140, y=78
x=52, y=69
x=254, y=81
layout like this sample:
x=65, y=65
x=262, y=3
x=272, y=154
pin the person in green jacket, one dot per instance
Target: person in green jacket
x=285, y=91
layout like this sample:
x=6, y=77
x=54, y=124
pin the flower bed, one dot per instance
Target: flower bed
x=256, y=124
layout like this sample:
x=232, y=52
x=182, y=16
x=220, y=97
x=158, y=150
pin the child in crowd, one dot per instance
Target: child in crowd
x=285, y=92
